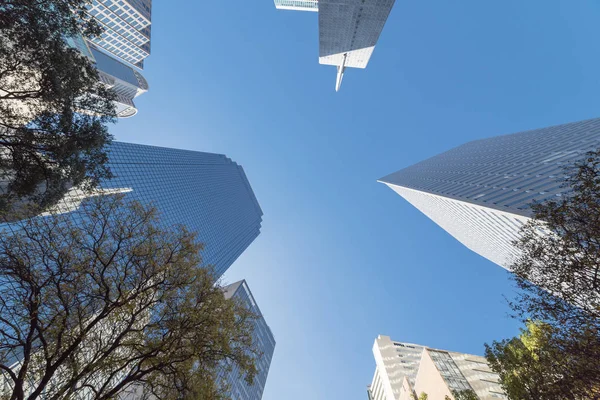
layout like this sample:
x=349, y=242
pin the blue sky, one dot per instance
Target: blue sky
x=342, y=258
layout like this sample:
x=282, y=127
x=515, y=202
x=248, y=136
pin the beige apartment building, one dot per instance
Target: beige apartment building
x=405, y=370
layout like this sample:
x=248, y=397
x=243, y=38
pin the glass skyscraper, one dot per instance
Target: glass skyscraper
x=206, y=192
x=126, y=26
x=119, y=52
x=481, y=192
x=210, y=195
x=262, y=337
x=124, y=80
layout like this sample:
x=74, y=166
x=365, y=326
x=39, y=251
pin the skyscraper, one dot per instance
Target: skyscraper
x=404, y=370
x=297, y=5
x=263, y=337
x=124, y=80
x=127, y=29
x=348, y=29
x=206, y=192
x=481, y=192
x=121, y=48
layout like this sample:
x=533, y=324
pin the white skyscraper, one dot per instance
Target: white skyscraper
x=297, y=5
x=404, y=370
x=481, y=192
x=348, y=29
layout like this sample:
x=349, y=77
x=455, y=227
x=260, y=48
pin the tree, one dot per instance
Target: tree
x=422, y=396
x=53, y=108
x=557, y=274
x=466, y=394
x=534, y=366
x=558, y=271
x=107, y=300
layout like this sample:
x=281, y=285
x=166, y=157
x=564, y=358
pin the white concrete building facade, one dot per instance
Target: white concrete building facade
x=481, y=192
x=297, y=5
x=405, y=370
x=348, y=29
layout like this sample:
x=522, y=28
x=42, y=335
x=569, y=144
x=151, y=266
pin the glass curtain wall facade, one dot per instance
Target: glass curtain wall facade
x=481, y=192
x=208, y=193
x=121, y=49
x=126, y=26
x=262, y=337
x=125, y=81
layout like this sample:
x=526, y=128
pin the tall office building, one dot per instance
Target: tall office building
x=481, y=192
x=120, y=50
x=265, y=341
x=126, y=26
x=206, y=192
x=209, y=194
x=124, y=80
x=404, y=370
x=297, y=5
x=348, y=29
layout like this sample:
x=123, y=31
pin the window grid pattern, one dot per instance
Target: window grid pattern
x=297, y=5
x=486, y=231
x=122, y=79
x=482, y=379
x=409, y=358
x=351, y=28
x=481, y=192
x=265, y=342
x=395, y=361
x=507, y=172
x=126, y=28
x=460, y=371
x=206, y=192
x=449, y=371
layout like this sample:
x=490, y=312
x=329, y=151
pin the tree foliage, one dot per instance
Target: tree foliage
x=559, y=267
x=53, y=108
x=557, y=274
x=105, y=301
x=535, y=365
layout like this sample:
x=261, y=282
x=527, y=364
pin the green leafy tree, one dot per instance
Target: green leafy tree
x=558, y=277
x=466, y=394
x=53, y=109
x=108, y=301
x=534, y=366
x=558, y=271
x=422, y=396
